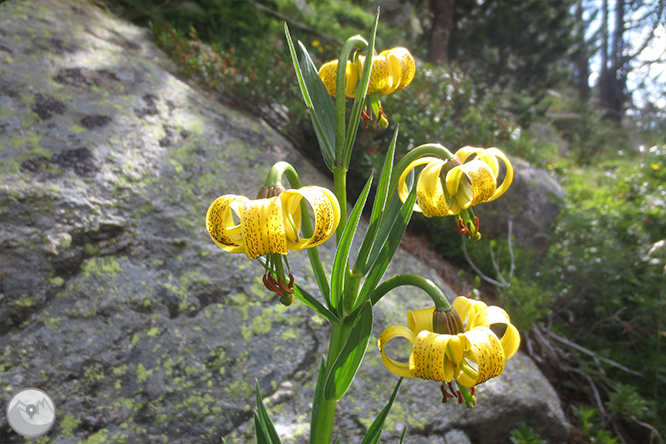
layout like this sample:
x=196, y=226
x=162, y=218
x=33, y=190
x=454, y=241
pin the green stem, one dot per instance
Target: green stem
x=280, y=169
x=441, y=302
x=428, y=149
x=340, y=190
x=324, y=428
x=356, y=42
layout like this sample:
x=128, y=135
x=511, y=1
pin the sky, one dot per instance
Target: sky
x=655, y=73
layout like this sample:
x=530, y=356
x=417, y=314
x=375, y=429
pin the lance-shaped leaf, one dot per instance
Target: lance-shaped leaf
x=349, y=359
x=317, y=99
x=342, y=254
x=375, y=430
x=380, y=257
x=319, y=389
x=314, y=304
x=264, y=428
x=359, y=101
x=378, y=207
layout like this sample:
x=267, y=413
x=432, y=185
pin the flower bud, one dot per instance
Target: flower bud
x=448, y=323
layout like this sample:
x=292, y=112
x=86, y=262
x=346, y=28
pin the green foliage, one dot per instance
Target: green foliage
x=590, y=427
x=626, y=402
x=527, y=302
x=516, y=45
x=610, y=287
x=525, y=435
x=228, y=23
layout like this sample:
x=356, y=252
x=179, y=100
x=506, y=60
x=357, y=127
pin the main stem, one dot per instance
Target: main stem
x=326, y=416
x=340, y=190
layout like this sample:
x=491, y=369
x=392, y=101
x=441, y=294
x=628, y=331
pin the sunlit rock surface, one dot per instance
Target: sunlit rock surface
x=113, y=298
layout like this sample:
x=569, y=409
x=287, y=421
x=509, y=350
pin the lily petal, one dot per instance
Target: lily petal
x=326, y=215
x=329, y=75
x=430, y=194
x=263, y=227
x=483, y=360
x=471, y=183
x=492, y=315
x=220, y=223
x=419, y=320
x=395, y=367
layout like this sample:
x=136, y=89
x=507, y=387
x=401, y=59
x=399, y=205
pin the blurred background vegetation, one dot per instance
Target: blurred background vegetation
x=495, y=73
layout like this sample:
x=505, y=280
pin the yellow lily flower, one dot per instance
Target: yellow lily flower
x=271, y=225
x=464, y=184
x=470, y=357
x=448, y=187
x=392, y=70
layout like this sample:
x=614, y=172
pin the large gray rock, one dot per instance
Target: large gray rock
x=532, y=204
x=114, y=299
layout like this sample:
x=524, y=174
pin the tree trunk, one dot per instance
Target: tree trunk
x=613, y=79
x=582, y=57
x=440, y=33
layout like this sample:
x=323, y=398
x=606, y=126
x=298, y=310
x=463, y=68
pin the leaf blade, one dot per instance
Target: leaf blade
x=349, y=359
x=344, y=246
x=375, y=430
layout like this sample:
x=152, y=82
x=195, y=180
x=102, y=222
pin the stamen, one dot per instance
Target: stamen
x=365, y=117
x=381, y=114
x=285, y=287
x=460, y=227
x=472, y=391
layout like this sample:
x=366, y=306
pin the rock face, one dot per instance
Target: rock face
x=532, y=204
x=113, y=298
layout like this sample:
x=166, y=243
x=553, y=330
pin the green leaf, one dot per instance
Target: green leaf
x=317, y=99
x=319, y=273
x=265, y=430
x=314, y=304
x=378, y=206
x=349, y=359
x=402, y=437
x=375, y=430
x=323, y=107
x=340, y=266
x=381, y=256
x=317, y=400
x=359, y=101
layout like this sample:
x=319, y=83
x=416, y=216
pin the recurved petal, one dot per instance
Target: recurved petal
x=430, y=193
x=419, y=358
x=465, y=152
x=471, y=183
x=326, y=215
x=493, y=315
x=395, y=367
x=262, y=223
x=494, y=154
x=381, y=77
x=407, y=67
x=419, y=320
x=329, y=75
x=483, y=360
x=467, y=308
x=220, y=223
x=403, y=191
